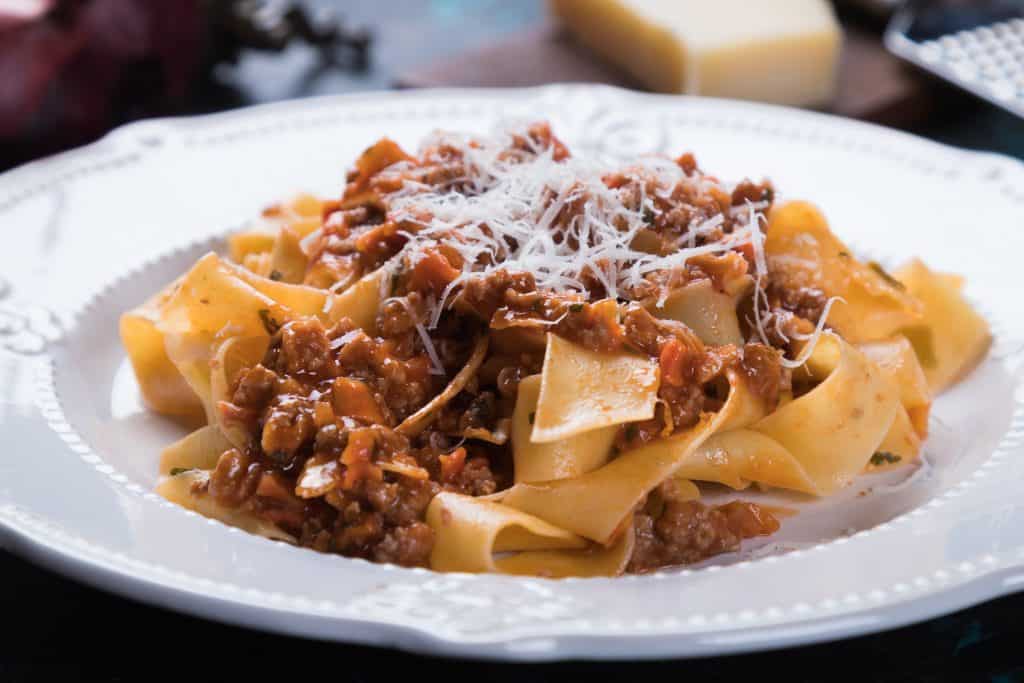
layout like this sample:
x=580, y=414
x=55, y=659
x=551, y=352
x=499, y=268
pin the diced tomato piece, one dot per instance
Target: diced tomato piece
x=323, y=414
x=353, y=398
x=383, y=238
x=433, y=271
x=357, y=458
x=671, y=362
x=373, y=160
x=452, y=464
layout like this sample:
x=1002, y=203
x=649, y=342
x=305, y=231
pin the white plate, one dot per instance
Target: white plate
x=90, y=233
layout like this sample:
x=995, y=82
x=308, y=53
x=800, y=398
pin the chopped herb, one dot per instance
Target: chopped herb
x=875, y=266
x=269, y=323
x=648, y=214
x=844, y=254
x=884, y=458
x=576, y=308
x=395, y=277
x=175, y=471
x=276, y=275
x=533, y=416
x=768, y=195
x=536, y=306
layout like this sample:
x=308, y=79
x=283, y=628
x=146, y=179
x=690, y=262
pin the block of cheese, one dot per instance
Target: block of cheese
x=781, y=51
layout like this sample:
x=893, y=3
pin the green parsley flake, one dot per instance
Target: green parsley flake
x=884, y=458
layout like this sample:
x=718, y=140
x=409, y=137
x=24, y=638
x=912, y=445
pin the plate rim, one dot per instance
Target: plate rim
x=148, y=590
x=150, y=127
x=101, y=574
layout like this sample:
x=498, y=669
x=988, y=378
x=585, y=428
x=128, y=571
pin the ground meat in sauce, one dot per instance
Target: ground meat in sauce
x=693, y=374
x=805, y=302
x=314, y=393
x=333, y=398
x=689, y=531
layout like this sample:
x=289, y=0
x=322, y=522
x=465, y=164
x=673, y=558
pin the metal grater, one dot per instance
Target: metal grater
x=987, y=60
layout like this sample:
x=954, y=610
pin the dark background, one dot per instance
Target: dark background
x=60, y=630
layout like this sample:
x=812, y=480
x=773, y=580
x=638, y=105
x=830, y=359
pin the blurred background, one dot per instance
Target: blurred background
x=72, y=69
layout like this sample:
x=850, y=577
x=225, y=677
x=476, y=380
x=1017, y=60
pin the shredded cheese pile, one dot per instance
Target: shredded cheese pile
x=514, y=217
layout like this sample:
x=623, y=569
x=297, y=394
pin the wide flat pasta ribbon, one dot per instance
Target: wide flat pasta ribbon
x=952, y=338
x=231, y=357
x=582, y=390
x=815, y=443
x=217, y=300
x=188, y=343
x=598, y=504
x=735, y=455
x=896, y=359
x=162, y=386
x=711, y=314
x=299, y=299
x=480, y=535
x=180, y=489
x=287, y=260
x=360, y=301
x=199, y=450
x=217, y=296
x=594, y=560
x=738, y=457
x=469, y=531
x=902, y=440
x=273, y=244
x=562, y=459
x=252, y=242
x=803, y=253
x=833, y=430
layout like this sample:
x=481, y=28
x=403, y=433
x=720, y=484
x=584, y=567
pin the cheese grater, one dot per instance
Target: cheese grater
x=978, y=46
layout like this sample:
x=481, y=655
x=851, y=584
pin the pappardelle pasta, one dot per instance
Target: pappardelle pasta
x=494, y=356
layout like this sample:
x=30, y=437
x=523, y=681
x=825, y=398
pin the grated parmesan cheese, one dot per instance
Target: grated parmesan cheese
x=812, y=338
x=514, y=218
x=558, y=220
x=435, y=361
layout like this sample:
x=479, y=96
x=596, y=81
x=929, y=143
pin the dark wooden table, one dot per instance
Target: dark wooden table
x=60, y=630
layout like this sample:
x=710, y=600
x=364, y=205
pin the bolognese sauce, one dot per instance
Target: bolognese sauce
x=328, y=461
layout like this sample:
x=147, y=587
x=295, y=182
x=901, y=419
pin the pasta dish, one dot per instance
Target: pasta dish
x=494, y=356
